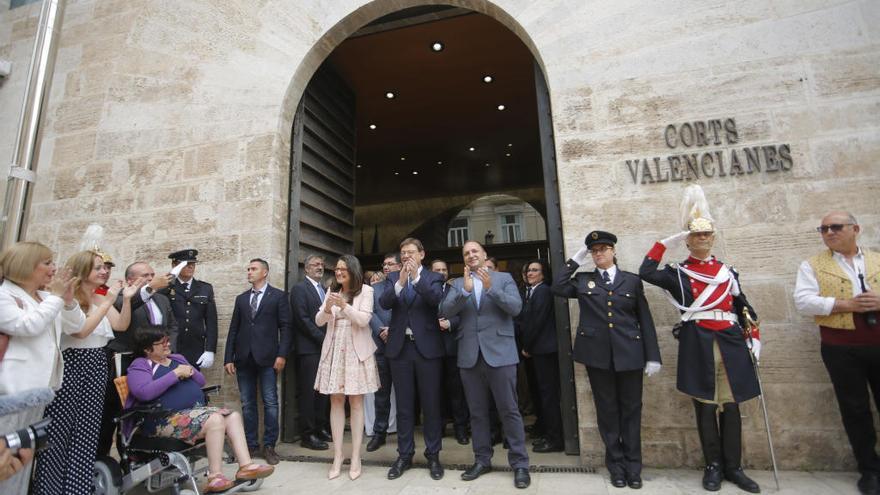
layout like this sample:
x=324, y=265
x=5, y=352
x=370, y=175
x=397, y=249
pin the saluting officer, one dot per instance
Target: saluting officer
x=192, y=302
x=615, y=340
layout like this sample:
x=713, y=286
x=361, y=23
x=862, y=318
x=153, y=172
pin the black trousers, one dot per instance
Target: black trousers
x=112, y=405
x=382, y=397
x=618, y=399
x=314, y=407
x=547, y=374
x=454, y=395
x=853, y=370
x=534, y=396
x=414, y=374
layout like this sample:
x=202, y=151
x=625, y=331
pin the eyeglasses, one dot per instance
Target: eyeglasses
x=533, y=270
x=165, y=341
x=834, y=227
x=599, y=249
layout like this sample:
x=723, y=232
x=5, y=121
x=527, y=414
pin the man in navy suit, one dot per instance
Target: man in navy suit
x=305, y=300
x=379, y=326
x=414, y=350
x=456, y=405
x=256, y=351
x=487, y=301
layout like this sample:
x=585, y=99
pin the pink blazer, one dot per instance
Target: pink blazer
x=358, y=313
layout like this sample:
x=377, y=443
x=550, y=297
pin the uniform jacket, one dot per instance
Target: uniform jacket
x=615, y=328
x=265, y=335
x=304, y=302
x=196, y=314
x=420, y=315
x=358, y=313
x=489, y=328
x=538, y=322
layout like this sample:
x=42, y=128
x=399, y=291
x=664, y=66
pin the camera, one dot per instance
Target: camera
x=35, y=436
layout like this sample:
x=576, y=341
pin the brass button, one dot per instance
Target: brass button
x=610, y=293
x=609, y=303
x=609, y=314
x=611, y=325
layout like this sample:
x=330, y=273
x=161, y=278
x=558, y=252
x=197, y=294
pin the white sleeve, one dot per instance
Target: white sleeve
x=25, y=321
x=72, y=320
x=145, y=296
x=806, y=293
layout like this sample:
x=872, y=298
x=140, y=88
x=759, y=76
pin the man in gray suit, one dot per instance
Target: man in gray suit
x=486, y=302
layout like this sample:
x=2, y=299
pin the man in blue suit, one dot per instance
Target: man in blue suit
x=414, y=350
x=379, y=325
x=486, y=301
x=257, y=346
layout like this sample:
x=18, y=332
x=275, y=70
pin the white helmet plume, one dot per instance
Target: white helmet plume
x=91, y=240
x=695, y=215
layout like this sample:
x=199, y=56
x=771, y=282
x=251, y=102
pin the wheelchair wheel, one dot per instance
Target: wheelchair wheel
x=107, y=476
x=251, y=486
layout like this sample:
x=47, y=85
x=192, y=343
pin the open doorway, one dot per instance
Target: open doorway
x=414, y=119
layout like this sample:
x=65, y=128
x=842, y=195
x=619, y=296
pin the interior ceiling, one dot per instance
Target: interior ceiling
x=441, y=108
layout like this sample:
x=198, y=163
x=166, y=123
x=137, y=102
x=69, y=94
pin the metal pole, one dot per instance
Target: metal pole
x=22, y=169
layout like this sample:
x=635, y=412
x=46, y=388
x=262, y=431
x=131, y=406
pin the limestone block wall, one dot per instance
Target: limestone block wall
x=170, y=122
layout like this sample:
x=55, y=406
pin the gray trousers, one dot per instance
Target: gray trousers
x=479, y=382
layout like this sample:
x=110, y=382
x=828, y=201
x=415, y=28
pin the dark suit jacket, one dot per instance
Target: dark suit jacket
x=450, y=345
x=615, y=329
x=305, y=302
x=538, y=322
x=420, y=315
x=124, y=341
x=196, y=314
x=264, y=336
x=381, y=316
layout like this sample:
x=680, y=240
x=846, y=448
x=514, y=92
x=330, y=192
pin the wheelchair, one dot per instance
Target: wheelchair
x=157, y=463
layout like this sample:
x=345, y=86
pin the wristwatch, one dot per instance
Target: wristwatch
x=149, y=290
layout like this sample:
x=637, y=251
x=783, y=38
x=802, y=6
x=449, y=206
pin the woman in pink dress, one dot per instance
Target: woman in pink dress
x=347, y=367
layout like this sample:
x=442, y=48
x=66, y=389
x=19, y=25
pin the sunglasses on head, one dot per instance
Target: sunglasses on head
x=834, y=227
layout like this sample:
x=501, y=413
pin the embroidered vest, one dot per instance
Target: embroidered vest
x=833, y=282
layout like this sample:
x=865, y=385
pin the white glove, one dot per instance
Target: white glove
x=652, y=368
x=755, y=347
x=581, y=256
x=206, y=360
x=674, y=239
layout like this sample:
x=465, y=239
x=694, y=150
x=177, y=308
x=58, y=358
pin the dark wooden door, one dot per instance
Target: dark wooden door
x=321, y=219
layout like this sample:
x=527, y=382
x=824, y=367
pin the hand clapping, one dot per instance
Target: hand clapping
x=62, y=285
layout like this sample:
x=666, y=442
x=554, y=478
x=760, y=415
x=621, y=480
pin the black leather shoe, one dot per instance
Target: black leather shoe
x=538, y=441
x=738, y=477
x=435, y=467
x=712, y=477
x=324, y=435
x=314, y=443
x=618, y=480
x=462, y=438
x=377, y=441
x=400, y=465
x=634, y=481
x=521, y=478
x=545, y=446
x=869, y=484
x=475, y=472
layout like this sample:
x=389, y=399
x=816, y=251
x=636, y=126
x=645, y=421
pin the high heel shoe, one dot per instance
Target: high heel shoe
x=355, y=473
x=335, y=470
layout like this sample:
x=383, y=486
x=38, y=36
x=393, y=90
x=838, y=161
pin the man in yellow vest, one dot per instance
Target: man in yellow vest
x=837, y=287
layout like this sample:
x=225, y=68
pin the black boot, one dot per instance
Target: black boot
x=731, y=447
x=710, y=440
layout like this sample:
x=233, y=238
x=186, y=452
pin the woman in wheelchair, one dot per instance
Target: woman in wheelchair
x=169, y=379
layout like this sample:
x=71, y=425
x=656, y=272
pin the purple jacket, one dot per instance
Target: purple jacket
x=143, y=388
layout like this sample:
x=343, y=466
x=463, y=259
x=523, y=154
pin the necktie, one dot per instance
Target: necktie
x=408, y=293
x=528, y=293
x=321, y=293
x=605, y=277
x=255, y=296
x=150, y=315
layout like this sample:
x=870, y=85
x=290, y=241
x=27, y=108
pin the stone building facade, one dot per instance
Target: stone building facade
x=170, y=124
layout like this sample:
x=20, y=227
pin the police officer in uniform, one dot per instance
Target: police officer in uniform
x=714, y=366
x=615, y=340
x=192, y=302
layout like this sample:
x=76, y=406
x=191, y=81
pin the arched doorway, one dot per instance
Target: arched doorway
x=364, y=154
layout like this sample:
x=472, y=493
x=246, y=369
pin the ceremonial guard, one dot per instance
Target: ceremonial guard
x=615, y=340
x=714, y=366
x=192, y=302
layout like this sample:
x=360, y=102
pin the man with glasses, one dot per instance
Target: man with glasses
x=379, y=323
x=837, y=288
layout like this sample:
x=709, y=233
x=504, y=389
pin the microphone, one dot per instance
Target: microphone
x=870, y=318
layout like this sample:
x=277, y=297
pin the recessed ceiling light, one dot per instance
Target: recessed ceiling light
x=415, y=172
x=471, y=148
x=359, y=166
x=389, y=95
x=510, y=145
x=487, y=78
x=507, y=154
x=487, y=164
x=396, y=173
x=403, y=158
x=437, y=46
x=373, y=126
x=501, y=107
x=439, y=163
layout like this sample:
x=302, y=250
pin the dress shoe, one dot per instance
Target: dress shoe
x=738, y=477
x=377, y=441
x=335, y=470
x=634, y=481
x=313, y=442
x=475, y=472
x=869, y=484
x=521, y=478
x=324, y=436
x=538, y=440
x=271, y=456
x=355, y=470
x=435, y=467
x=254, y=452
x=462, y=438
x=712, y=477
x=618, y=480
x=545, y=446
x=400, y=465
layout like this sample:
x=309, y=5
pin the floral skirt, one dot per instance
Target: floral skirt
x=186, y=425
x=340, y=371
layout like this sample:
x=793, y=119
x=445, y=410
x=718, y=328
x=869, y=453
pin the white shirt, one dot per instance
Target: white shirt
x=99, y=337
x=612, y=271
x=322, y=293
x=806, y=288
x=185, y=284
x=399, y=288
x=260, y=295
